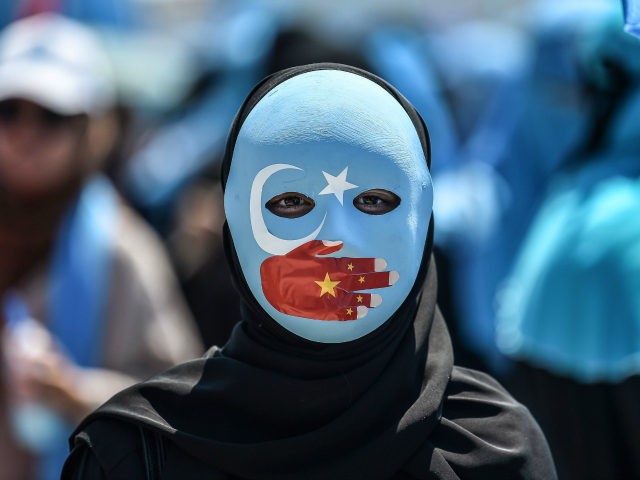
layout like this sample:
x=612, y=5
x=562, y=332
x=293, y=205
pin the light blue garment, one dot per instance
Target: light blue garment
x=79, y=285
x=537, y=119
x=632, y=16
x=81, y=271
x=317, y=126
x=572, y=304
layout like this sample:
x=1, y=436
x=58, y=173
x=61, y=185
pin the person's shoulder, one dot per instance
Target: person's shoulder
x=475, y=400
x=106, y=449
x=485, y=433
x=466, y=381
x=111, y=448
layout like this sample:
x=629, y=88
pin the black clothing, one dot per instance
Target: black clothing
x=483, y=434
x=592, y=427
x=272, y=405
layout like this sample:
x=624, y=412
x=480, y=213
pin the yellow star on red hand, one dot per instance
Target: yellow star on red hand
x=327, y=285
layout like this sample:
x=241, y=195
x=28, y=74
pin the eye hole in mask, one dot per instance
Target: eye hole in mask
x=376, y=201
x=290, y=205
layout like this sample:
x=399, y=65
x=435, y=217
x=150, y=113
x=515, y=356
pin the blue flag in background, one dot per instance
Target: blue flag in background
x=632, y=16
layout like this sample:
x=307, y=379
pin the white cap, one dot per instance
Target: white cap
x=57, y=63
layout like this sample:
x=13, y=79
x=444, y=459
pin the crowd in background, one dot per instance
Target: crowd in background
x=532, y=107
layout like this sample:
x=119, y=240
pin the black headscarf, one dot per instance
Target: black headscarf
x=272, y=405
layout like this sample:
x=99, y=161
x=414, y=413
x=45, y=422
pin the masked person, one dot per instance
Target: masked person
x=341, y=366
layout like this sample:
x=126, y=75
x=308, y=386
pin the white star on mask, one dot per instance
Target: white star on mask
x=337, y=185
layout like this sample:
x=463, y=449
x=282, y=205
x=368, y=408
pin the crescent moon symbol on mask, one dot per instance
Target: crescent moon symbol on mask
x=265, y=239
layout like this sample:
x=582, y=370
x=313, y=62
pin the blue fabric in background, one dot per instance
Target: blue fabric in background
x=79, y=283
x=80, y=272
x=632, y=16
x=572, y=303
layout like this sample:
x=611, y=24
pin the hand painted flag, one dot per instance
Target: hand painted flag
x=302, y=284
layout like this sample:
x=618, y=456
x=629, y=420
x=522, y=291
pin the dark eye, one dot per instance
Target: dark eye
x=376, y=201
x=290, y=205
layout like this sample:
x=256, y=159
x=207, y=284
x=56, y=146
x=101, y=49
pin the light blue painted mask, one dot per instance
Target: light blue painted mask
x=335, y=273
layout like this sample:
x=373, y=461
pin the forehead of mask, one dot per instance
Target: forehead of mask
x=330, y=135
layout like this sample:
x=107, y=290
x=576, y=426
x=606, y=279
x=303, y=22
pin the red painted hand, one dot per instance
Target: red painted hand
x=302, y=284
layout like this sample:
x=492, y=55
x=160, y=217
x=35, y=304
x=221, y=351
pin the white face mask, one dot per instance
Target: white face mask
x=328, y=200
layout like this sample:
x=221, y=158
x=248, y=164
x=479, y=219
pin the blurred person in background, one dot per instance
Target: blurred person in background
x=570, y=312
x=534, y=118
x=89, y=303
